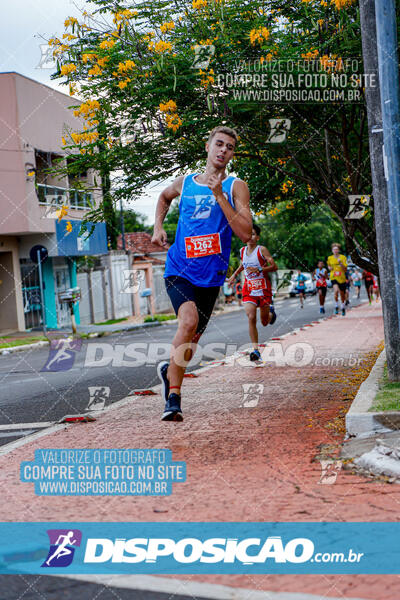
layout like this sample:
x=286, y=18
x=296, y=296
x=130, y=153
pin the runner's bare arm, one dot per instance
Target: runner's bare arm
x=239, y=218
x=235, y=274
x=163, y=204
x=272, y=264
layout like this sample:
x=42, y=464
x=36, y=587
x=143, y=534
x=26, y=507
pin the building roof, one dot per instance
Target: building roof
x=46, y=85
x=140, y=242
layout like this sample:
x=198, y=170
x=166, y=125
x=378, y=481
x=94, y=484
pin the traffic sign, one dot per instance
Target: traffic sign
x=43, y=254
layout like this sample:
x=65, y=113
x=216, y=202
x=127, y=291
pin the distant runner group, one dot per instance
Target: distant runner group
x=212, y=206
x=340, y=278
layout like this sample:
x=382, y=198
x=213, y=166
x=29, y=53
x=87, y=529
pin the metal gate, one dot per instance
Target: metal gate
x=61, y=279
x=31, y=294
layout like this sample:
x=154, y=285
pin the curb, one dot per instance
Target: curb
x=360, y=422
x=105, y=333
x=13, y=349
x=90, y=335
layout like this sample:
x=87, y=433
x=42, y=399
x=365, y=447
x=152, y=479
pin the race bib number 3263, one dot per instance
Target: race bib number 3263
x=202, y=245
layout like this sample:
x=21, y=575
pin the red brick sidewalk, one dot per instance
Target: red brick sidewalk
x=255, y=463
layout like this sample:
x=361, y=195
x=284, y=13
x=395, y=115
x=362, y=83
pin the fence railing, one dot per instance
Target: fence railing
x=51, y=195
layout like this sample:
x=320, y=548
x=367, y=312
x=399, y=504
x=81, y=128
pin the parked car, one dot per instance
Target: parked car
x=311, y=287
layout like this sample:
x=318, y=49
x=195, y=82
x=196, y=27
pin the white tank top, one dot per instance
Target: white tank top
x=256, y=282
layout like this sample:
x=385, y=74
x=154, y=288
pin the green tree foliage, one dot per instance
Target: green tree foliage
x=135, y=65
x=133, y=221
x=295, y=242
x=171, y=221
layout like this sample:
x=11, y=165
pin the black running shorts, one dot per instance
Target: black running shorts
x=342, y=286
x=181, y=290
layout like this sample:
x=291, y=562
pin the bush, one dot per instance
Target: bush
x=159, y=318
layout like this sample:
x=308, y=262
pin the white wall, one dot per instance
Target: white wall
x=102, y=295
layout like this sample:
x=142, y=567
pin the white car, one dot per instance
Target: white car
x=311, y=287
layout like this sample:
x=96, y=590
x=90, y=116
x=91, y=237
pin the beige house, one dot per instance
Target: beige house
x=33, y=120
x=150, y=259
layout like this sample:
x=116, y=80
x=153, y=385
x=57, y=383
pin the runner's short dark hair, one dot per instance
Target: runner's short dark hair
x=223, y=129
x=257, y=229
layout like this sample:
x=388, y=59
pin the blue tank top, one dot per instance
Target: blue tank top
x=201, y=215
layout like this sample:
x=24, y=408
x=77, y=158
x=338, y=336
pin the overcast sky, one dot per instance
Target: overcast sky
x=25, y=25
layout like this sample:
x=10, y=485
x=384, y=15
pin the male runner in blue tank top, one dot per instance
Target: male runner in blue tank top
x=212, y=205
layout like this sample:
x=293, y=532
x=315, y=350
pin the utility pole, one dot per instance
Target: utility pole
x=39, y=264
x=386, y=29
x=122, y=223
x=388, y=269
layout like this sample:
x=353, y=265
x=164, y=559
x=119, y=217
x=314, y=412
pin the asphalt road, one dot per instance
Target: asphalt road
x=31, y=393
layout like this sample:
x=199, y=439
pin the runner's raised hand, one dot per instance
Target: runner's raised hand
x=215, y=184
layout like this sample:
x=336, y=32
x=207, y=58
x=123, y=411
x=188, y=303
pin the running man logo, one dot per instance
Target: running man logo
x=62, y=547
x=131, y=281
x=279, y=130
x=47, y=60
x=98, y=397
x=358, y=206
x=83, y=241
x=62, y=355
x=330, y=471
x=203, y=208
x=251, y=394
x=204, y=205
x=202, y=56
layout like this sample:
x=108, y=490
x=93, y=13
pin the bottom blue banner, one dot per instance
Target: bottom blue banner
x=207, y=548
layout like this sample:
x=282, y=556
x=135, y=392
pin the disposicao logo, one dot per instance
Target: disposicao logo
x=189, y=550
x=62, y=355
x=62, y=547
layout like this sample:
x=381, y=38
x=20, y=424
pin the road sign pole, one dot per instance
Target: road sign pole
x=73, y=320
x=39, y=261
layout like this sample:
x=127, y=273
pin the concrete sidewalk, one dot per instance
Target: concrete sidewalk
x=249, y=458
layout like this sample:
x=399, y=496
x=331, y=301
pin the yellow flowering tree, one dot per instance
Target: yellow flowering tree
x=155, y=78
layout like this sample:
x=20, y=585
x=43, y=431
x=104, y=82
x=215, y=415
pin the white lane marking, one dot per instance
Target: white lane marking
x=39, y=378
x=16, y=433
x=27, y=439
x=9, y=426
x=9, y=379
